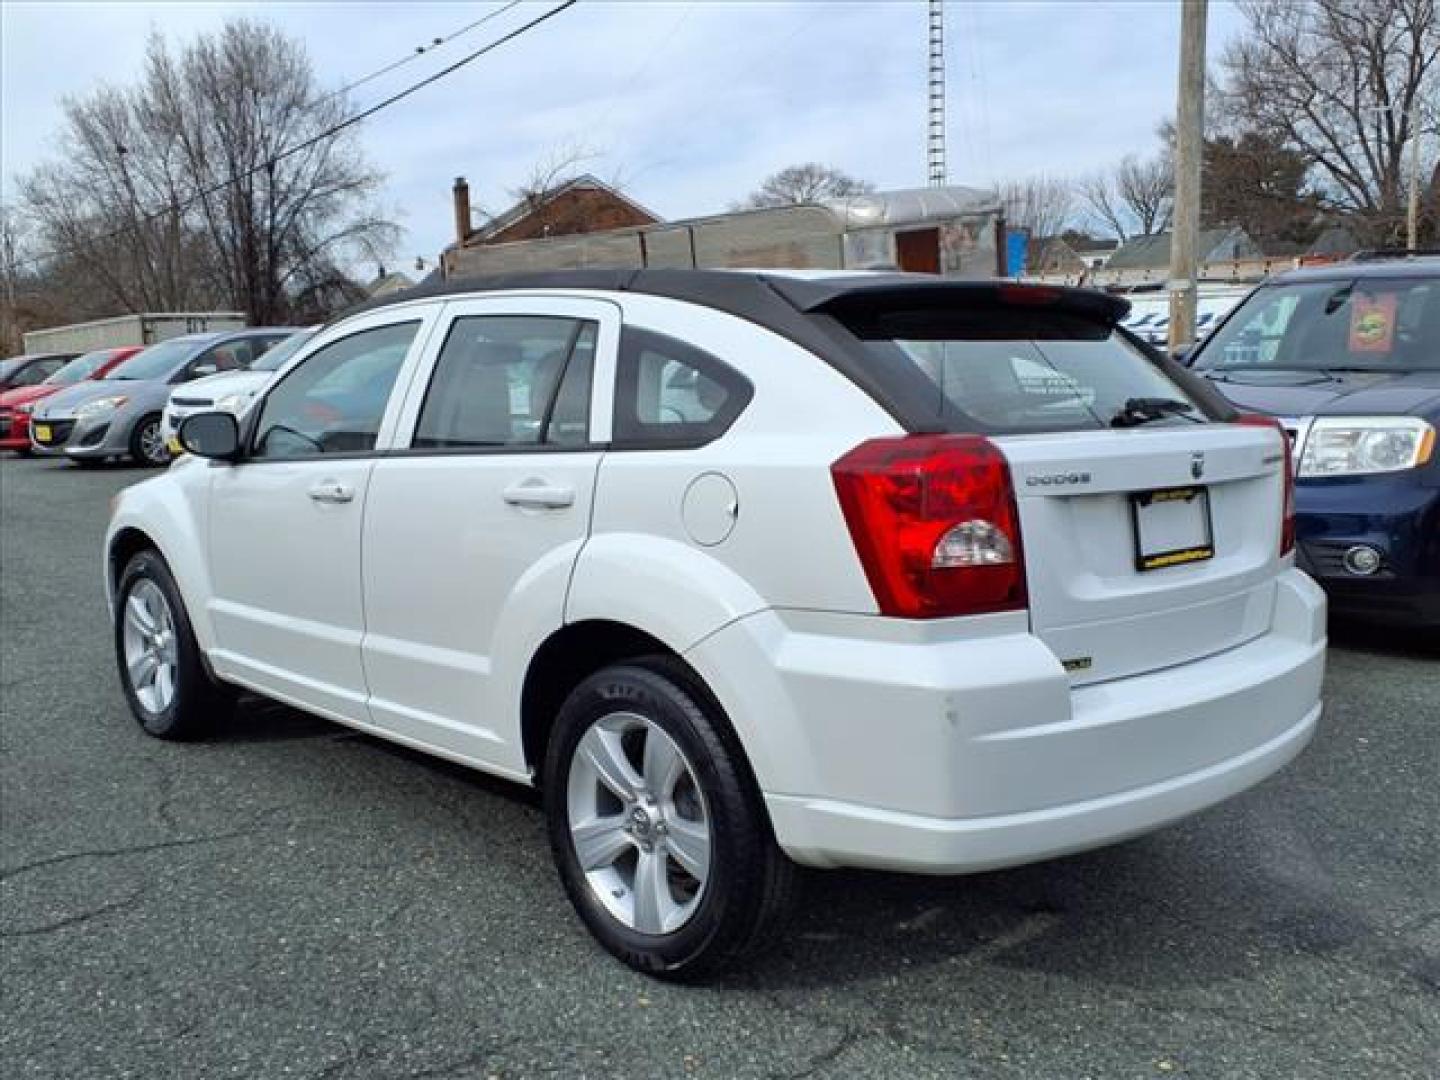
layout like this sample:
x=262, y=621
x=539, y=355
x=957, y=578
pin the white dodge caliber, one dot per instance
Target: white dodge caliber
x=745, y=571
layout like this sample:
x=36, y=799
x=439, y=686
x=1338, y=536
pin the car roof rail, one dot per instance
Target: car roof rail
x=1375, y=254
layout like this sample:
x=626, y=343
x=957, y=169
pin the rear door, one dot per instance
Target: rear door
x=473, y=526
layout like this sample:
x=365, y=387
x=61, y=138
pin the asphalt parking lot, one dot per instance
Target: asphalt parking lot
x=290, y=899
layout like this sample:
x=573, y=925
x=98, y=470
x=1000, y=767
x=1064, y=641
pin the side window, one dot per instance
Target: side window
x=668, y=393
x=37, y=372
x=509, y=380
x=332, y=403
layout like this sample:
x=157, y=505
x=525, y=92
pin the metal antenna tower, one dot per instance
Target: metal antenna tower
x=935, y=143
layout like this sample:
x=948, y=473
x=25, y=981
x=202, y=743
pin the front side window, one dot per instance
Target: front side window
x=509, y=380
x=668, y=393
x=333, y=402
x=1364, y=324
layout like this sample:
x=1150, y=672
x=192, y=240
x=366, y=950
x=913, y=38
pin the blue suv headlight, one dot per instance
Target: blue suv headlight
x=1355, y=445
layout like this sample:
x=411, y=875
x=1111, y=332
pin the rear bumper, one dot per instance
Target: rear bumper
x=953, y=756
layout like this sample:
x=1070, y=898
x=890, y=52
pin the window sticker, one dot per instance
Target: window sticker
x=1372, y=323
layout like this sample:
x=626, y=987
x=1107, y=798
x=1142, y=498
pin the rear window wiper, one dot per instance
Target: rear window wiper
x=1145, y=410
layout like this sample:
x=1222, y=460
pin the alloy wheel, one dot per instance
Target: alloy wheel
x=151, y=650
x=639, y=824
x=152, y=444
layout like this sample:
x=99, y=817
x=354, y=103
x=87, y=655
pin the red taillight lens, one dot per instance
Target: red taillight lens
x=934, y=521
x=1287, y=521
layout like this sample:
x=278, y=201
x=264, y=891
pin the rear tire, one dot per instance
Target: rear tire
x=24, y=451
x=682, y=874
x=147, y=442
x=170, y=693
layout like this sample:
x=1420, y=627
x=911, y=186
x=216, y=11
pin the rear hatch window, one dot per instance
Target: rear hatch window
x=1002, y=370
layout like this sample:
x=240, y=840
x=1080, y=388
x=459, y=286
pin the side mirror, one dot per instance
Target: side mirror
x=209, y=367
x=214, y=435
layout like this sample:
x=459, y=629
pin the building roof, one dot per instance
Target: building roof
x=1148, y=251
x=525, y=207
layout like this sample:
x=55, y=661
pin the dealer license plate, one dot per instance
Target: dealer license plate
x=42, y=432
x=1172, y=527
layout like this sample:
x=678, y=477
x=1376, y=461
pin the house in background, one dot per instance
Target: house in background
x=1070, y=253
x=581, y=205
x=387, y=283
x=1151, y=254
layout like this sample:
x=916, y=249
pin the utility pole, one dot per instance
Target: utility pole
x=1412, y=210
x=1189, y=147
x=935, y=143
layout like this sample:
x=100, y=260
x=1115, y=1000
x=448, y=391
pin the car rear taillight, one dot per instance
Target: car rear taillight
x=1287, y=508
x=934, y=521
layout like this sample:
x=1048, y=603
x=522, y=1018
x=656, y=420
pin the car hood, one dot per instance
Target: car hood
x=1349, y=393
x=139, y=391
x=213, y=387
x=23, y=394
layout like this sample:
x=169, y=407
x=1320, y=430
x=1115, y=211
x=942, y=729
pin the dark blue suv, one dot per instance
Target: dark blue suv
x=1348, y=357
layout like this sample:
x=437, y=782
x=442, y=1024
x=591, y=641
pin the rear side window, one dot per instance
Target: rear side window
x=670, y=394
x=509, y=380
x=1006, y=371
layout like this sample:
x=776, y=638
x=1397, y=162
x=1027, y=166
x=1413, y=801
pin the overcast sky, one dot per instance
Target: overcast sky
x=689, y=104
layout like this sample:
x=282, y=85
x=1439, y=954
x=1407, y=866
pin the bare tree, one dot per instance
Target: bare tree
x=563, y=165
x=801, y=184
x=1132, y=199
x=219, y=178
x=1343, y=82
x=1041, y=205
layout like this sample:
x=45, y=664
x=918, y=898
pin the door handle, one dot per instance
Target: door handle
x=331, y=491
x=536, y=494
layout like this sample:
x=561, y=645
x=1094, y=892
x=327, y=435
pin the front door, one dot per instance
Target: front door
x=285, y=523
x=473, y=527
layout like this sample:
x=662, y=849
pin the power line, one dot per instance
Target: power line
x=329, y=132
x=420, y=50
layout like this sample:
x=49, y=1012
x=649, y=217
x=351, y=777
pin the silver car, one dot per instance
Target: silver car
x=229, y=391
x=119, y=415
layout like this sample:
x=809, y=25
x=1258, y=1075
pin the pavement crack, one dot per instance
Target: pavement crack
x=76, y=919
x=115, y=853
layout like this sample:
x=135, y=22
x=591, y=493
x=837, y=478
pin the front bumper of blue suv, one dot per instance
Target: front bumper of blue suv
x=1340, y=521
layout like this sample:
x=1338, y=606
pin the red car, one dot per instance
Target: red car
x=16, y=405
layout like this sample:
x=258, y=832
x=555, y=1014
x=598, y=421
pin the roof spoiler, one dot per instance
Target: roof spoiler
x=862, y=295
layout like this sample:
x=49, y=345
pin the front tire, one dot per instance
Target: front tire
x=166, y=685
x=147, y=442
x=657, y=826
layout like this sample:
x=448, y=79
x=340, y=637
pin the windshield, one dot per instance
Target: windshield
x=80, y=369
x=156, y=362
x=275, y=359
x=1368, y=324
x=1001, y=371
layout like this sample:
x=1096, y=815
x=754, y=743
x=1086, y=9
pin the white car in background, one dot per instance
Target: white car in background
x=229, y=391
x=744, y=570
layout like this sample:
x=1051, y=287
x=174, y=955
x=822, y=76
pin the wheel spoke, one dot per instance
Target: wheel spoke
x=689, y=844
x=138, y=615
x=142, y=670
x=164, y=684
x=600, y=841
x=602, y=750
x=662, y=764
x=654, y=905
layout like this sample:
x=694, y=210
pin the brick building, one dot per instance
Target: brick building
x=581, y=205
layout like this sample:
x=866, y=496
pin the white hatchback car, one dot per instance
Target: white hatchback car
x=744, y=570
